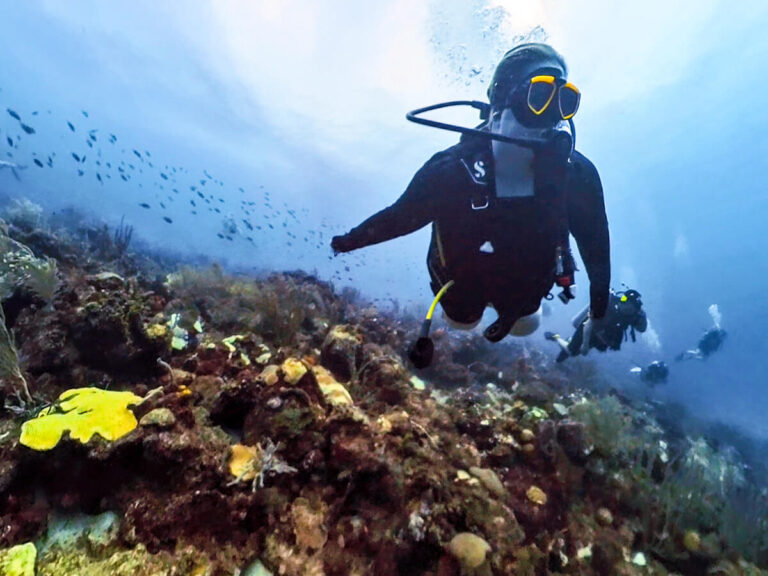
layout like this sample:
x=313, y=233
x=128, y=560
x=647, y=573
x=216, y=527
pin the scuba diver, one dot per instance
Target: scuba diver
x=624, y=311
x=710, y=342
x=502, y=203
x=655, y=373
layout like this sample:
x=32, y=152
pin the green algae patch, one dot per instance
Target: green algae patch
x=19, y=560
x=134, y=562
x=83, y=412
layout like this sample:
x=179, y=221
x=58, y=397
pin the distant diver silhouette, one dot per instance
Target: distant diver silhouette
x=624, y=313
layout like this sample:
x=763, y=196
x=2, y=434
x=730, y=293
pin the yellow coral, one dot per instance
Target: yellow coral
x=269, y=375
x=83, y=412
x=692, y=541
x=157, y=331
x=293, y=370
x=536, y=495
x=241, y=463
x=334, y=392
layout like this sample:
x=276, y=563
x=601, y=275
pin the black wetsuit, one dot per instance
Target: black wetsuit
x=498, y=251
x=655, y=373
x=711, y=341
x=612, y=329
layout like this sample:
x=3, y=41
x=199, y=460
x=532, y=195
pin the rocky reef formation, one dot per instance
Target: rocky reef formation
x=272, y=426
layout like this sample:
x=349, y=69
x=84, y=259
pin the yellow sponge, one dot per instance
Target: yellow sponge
x=19, y=560
x=83, y=412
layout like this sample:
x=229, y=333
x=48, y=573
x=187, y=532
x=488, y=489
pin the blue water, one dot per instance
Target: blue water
x=305, y=114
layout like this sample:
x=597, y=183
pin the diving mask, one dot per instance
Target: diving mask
x=544, y=99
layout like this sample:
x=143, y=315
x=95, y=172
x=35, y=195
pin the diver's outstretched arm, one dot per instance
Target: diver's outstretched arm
x=589, y=226
x=413, y=210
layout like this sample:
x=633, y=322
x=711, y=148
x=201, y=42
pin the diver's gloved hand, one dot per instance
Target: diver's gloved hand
x=341, y=244
x=592, y=325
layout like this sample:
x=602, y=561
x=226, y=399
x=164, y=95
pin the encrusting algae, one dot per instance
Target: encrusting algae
x=83, y=412
x=324, y=454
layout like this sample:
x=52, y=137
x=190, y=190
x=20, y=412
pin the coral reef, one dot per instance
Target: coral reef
x=226, y=424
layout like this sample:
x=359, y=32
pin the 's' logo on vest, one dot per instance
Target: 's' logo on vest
x=479, y=169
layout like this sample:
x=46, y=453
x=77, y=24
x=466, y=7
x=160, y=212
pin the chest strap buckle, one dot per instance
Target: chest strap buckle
x=479, y=202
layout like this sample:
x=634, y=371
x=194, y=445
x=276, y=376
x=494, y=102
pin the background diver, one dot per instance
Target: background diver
x=655, y=373
x=711, y=340
x=624, y=312
x=502, y=203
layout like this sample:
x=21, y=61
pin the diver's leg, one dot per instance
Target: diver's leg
x=694, y=354
x=461, y=307
x=460, y=325
x=559, y=340
x=527, y=325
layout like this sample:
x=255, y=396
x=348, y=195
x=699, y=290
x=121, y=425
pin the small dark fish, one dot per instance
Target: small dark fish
x=167, y=219
x=76, y=157
x=241, y=190
x=144, y=205
x=50, y=161
x=112, y=138
x=220, y=235
x=194, y=212
x=207, y=175
x=192, y=202
x=198, y=192
x=124, y=177
x=92, y=137
x=98, y=177
x=163, y=176
x=14, y=114
x=85, y=113
x=147, y=153
x=217, y=211
x=80, y=172
x=36, y=161
x=90, y=144
x=27, y=129
x=34, y=113
x=83, y=159
x=10, y=142
x=229, y=238
x=71, y=126
x=138, y=155
x=162, y=205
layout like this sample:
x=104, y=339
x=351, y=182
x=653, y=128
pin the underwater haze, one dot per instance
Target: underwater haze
x=192, y=382
x=252, y=132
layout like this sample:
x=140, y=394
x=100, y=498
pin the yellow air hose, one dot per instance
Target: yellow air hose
x=438, y=296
